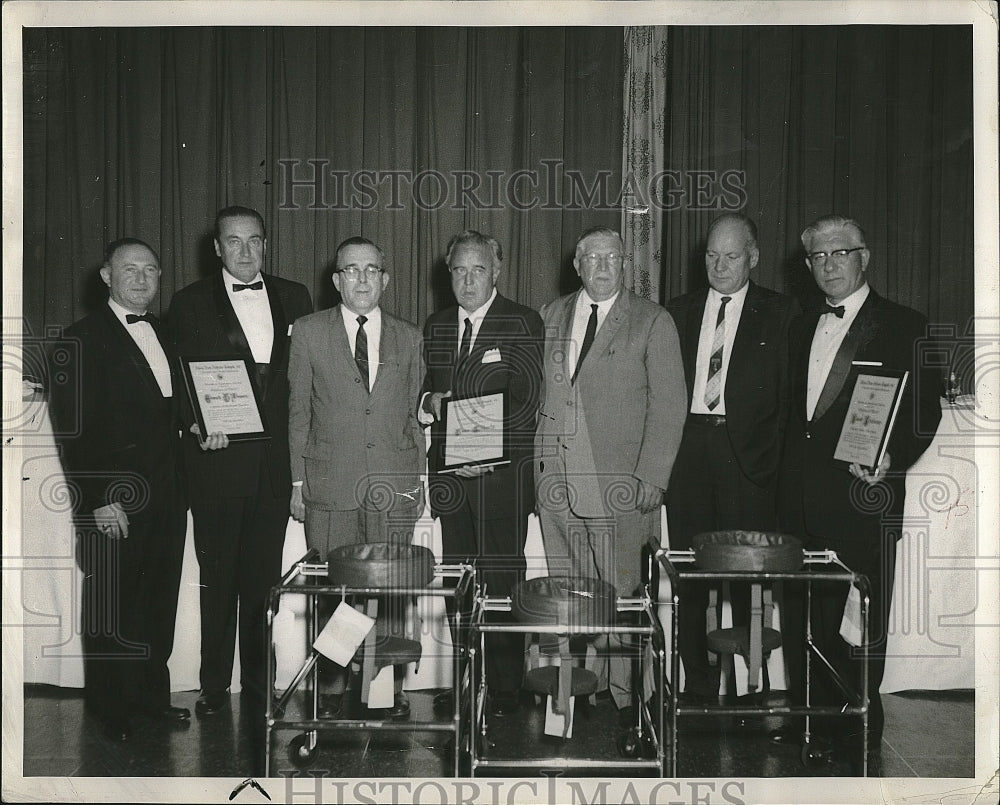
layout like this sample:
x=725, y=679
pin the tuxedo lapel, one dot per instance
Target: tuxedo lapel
x=228, y=321
x=279, y=323
x=841, y=368
x=118, y=335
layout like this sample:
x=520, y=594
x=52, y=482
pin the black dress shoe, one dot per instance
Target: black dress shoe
x=444, y=703
x=330, y=705
x=786, y=736
x=400, y=707
x=211, y=702
x=504, y=703
x=169, y=714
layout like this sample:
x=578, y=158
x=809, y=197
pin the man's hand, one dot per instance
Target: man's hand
x=872, y=477
x=647, y=497
x=432, y=404
x=112, y=521
x=297, y=505
x=215, y=441
x=472, y=472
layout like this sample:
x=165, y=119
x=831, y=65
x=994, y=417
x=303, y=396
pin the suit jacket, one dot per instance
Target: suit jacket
x=818, y=497
x=203, y=324
x=757, y=386
x=513, y=333
x=118, y=433
x=347, y=445
x=624, y=416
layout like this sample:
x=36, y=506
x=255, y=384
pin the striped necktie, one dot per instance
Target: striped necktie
x=713, y=386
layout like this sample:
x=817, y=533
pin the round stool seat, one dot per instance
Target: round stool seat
x=737, y=640
x=392, y=650
x=573, y=601
x=385, y=565
x=758, y=551
x=545, y=681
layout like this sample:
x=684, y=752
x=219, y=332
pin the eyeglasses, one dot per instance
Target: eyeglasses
x=593, y=258
x=354, y=273
x=477, y=272
x=837, y=255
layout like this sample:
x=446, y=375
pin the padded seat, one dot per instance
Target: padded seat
x=572, y=601
x=545, y=681
x=737, y=640
x=385, y=565
x=392, y=650
x=758, y=551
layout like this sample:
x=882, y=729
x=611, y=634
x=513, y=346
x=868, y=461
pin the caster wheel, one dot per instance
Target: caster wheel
x=299, y=753
x=630, y=744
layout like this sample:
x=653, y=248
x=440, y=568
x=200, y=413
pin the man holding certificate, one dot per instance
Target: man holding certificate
x=855, y=340
x=484, y=367
x=239, y=486
x=356, y=446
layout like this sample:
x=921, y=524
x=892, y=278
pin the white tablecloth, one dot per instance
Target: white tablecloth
x=933, y=604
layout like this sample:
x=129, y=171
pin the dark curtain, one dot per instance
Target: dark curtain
x=874, y=122
x=148, y=132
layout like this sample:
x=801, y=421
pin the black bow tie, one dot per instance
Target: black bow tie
x=253, y=286
x=837, y=311
x=132, y=318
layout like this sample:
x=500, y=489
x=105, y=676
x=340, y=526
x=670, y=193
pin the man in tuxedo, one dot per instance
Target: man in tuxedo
x=485, y=344
x=734, y=340
x=854, y=510
x=356, y=445
x=112, y=404
x=240, y=490
x=609, y=428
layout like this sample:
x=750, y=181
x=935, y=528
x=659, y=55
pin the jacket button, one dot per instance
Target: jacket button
x=541, y=466
x=368, y=411
x=357, y=380
x=370, y=445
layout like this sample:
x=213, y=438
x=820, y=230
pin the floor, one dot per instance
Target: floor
x=927, y=734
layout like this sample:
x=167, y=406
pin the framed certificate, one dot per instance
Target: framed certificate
x=225, y=397
x=871, y=415
x=475, y=431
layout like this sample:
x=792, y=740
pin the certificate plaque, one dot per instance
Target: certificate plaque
x=225, y=398
x=871, y=415
x=475, y=431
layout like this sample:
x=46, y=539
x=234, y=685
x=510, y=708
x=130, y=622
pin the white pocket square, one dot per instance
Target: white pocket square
x=491, y=356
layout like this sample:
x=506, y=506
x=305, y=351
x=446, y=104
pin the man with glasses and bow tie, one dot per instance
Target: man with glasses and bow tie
x=610, y=424
x=113, y=392
x=239, y=491
x=357, y=449
x=854, y=510
x=485, y=344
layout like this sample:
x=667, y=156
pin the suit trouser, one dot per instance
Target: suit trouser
x=129, y=605
x=239, y=542
x=878, y=563
x=327, y=529
x=709, y=492
x=606, y=548
x=496, y=547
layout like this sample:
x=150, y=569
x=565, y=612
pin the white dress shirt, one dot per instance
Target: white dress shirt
x=373, y=329
x=581, y=317
x=144, y=335
x=829, y=335
x=476, y=316
x=254, y=312
x=734, y=309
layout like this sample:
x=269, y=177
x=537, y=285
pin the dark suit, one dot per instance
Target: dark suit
x=724, y=476
x=820, y=501
x=240, y=494
x=485, y=518
x=120, y=442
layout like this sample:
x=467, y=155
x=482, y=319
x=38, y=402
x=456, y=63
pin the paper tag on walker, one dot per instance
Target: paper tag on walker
x=380, y=692
x=554, y=722
x=343, y=633
x=850, y=626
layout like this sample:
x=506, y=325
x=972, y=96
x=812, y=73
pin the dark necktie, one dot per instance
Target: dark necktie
x=588, y=340
x=837, y=311
x=132, y=318
x=713, y=386
x=253, y=286
x=361, y=351
x=466, y=346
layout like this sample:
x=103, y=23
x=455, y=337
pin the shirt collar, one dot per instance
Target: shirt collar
x=374, y=318
x=481, y=311
x=734, y=297
x=603, y=307
x=229, y=279
x=119, y=311
x=852, y=304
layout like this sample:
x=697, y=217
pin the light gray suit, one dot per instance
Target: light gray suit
x=621, y=421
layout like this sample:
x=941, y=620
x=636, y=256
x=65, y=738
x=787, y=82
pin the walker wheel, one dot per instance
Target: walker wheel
x=299, y=753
